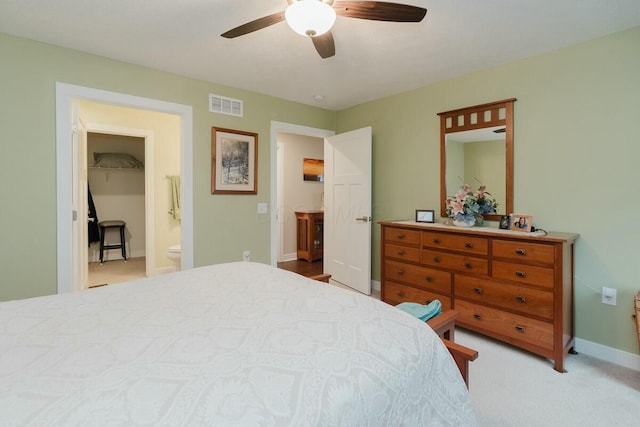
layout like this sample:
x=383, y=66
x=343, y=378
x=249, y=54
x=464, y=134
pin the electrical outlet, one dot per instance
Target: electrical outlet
x=246, y=256
x=609, y=295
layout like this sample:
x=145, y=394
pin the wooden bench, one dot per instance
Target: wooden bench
x=321, y=277
x=444, y=325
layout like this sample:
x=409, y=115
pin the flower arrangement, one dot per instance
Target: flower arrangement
x=468, y=206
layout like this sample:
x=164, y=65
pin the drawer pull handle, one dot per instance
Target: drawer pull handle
x=478, y=291
x=400, y=236
x=521, y=299
x=400, y=272
x=521, y=274
x=521, y=252
x=468, y=245
x=429, y=279
x=436, y=259
x=436, y=241
x=400, y=294
x=468, y=265
x=400, y=253
x=521, y=329
x=477, y=317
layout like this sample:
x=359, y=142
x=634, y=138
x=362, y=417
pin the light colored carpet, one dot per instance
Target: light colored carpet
x=116, y=271
x=510, y=387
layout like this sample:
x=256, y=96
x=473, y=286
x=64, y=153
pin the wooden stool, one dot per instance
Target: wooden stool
x=104, y=225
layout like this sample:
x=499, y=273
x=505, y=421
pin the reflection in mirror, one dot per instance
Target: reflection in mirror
x=477, y=157
x=472, y=152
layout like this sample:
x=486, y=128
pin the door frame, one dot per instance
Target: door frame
x=277, y=127
x=67, y=279
x=149, y=183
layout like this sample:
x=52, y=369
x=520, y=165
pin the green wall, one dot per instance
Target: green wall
x=577, y=148
x=224, y=225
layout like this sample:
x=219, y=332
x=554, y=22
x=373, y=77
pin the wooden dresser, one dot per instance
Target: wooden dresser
x=513, y=286
x=310, y=226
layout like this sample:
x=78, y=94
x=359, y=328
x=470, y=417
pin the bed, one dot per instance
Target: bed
x=238, y=344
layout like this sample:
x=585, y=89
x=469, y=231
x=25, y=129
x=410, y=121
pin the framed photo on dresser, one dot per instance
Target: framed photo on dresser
x=505, y=222
x=521, y=222
x=425, y=215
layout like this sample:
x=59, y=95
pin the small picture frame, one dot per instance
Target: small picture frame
x=423, y=215
x=505, y=222
x=521, y=222
x=234, y=155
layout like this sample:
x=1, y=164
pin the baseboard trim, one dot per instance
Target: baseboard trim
x=290, y=257
x=375, y=286
x=609, y=354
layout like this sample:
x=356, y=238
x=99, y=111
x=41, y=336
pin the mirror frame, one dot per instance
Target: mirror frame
x=463, y=119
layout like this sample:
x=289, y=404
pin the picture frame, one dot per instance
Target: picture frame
x=313, y=170
x=425, y=215
x=234, y=161
x=521, y=222
x=505, y=222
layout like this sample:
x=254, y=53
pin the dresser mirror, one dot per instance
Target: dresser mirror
x=476, y=147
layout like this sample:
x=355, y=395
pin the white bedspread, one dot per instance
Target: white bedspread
x=240, y=344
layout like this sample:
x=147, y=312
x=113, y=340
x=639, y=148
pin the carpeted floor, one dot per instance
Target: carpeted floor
x=510, y=387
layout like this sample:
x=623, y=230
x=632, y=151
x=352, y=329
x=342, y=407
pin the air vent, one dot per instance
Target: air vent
x=224, y=105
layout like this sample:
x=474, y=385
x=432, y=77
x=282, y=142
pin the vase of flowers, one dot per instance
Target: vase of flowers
x=467, y=207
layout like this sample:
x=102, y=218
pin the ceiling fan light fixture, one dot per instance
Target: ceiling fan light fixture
x=310, y=18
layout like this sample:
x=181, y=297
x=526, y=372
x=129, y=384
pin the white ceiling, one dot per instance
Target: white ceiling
x=373, y=59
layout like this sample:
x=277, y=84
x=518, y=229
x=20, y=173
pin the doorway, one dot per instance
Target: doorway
x=117, y=166
x=67, y=214
x=281, y=257
x=347, y=204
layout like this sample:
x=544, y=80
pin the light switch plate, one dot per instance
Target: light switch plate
x=263, y=208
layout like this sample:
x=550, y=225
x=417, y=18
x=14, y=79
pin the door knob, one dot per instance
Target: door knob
x=364, y=218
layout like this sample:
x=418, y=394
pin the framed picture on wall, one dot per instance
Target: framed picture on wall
x=521, y=222
x=234, y=155
x=313, y=170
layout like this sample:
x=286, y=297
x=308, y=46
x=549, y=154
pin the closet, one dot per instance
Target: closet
x=117, y=187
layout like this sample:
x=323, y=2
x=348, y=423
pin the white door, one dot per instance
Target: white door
x=79, y=202
x=347, y=209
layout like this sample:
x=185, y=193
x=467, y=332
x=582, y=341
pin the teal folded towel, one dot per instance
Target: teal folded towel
x=421, y=311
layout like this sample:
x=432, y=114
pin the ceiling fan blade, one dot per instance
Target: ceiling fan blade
x=379, y=11
x=324, y=45
x=256, y=25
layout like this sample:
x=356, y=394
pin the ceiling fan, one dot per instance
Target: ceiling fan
x=314, y=19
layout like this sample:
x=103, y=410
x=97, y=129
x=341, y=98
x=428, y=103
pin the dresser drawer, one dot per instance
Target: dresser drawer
x=523, y=273
x=512, y=297
x=395, y=293
x=472, y=265
x=469, y=244
x=506, y=324
x=401, y=235
x=421, y=277
x=405, y=253
x=523, y=251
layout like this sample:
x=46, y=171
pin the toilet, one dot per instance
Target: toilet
x=174, y=253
